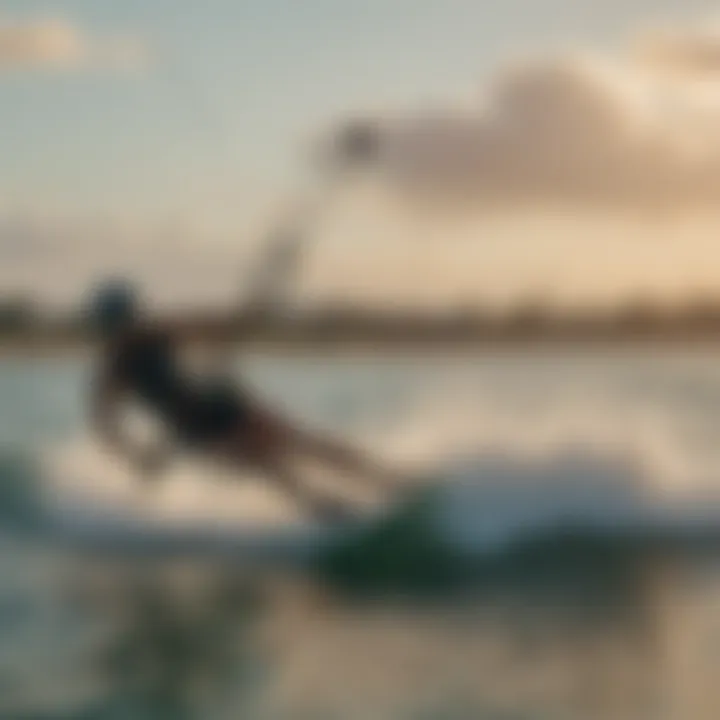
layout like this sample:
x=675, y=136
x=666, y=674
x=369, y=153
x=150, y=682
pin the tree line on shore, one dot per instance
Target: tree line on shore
x=699, y=316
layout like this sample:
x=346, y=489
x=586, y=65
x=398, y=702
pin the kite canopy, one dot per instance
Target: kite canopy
x=359, y=142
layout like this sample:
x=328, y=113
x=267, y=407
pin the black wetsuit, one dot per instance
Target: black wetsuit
x=145, y=363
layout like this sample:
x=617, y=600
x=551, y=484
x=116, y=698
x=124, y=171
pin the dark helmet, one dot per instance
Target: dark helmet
x=113, y=306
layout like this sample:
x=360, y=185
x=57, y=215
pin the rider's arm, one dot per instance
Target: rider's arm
x=106, y=402
x=106, y=398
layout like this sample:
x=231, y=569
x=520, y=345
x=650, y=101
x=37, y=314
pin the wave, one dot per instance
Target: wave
x=484, y=505
x=503, y=516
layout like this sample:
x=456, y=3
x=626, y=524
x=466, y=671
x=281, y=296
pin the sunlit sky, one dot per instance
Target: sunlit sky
x=126, y=121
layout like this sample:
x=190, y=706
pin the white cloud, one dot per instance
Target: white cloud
x=575, y=131
x=684, y=52
x=57, y=44
x=557, y=257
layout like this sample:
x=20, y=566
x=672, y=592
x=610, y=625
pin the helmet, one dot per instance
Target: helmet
x=113, y=305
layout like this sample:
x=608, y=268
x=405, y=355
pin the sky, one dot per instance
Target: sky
x=563, y=148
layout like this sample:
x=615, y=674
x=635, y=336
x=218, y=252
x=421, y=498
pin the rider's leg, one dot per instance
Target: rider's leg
x=265, y=439
x=320, y=506
x=268, y=455
x=337, y=454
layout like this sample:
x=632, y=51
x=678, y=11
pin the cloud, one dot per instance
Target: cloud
x=683, y=52
x=561, y=258
x=57, y=44
x=574, y=130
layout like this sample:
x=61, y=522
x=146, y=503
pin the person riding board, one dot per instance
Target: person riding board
x=139, y=362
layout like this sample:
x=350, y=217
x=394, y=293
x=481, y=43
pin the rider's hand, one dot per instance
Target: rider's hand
x=150, y=463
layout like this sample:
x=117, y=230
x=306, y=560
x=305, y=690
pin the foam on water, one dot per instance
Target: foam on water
x=484, y=502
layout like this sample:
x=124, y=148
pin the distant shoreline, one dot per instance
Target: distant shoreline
x=337, y=328
x=293, y=339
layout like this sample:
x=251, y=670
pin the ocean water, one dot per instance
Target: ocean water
x=559, y=557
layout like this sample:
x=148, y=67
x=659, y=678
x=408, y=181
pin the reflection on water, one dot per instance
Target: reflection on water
x=188, y=640
x=176, y=644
